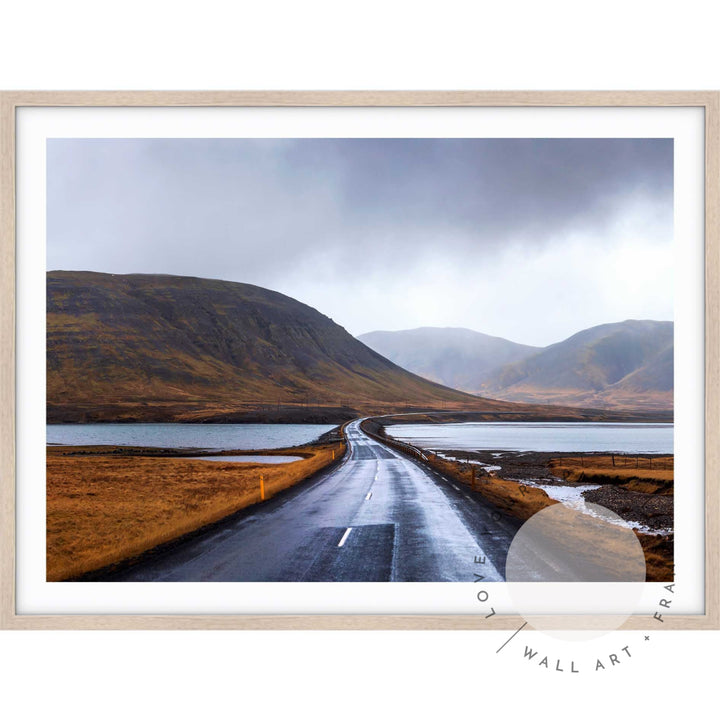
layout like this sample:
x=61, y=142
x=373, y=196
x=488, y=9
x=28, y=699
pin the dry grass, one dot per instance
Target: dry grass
x=518, y=500
x=654, y=476
x=648, y=475
x=105, y=509
x=659, y=557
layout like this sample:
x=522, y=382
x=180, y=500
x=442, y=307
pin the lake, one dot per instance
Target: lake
x=182, y=435
x=540, y=437
x=262, y=459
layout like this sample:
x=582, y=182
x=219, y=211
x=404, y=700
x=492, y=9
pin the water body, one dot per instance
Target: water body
x=181, y=435
x=264, y=459
x=540, y=437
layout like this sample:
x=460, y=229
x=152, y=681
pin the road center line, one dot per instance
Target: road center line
x=368, y=496
x=344, y=537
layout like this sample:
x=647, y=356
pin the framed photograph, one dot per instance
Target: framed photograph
x=360, y=360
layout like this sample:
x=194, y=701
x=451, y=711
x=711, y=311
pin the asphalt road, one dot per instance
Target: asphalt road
x=377, y=517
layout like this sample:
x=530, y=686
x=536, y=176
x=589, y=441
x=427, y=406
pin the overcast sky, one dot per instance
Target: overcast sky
x=531, y=240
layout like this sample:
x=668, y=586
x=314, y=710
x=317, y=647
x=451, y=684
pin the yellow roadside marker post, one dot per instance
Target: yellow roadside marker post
x=262, y=488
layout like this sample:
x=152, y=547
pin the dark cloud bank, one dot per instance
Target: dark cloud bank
x=381, y=234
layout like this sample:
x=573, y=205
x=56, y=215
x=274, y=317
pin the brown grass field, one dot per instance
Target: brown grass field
x=106, y=505
x=648, y=475
x=103, y=509
x=659, y=557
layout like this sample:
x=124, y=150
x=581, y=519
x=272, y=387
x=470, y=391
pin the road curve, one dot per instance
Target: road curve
x=379, y=516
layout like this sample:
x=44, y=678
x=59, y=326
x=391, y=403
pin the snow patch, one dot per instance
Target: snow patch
x=572, y=497
x=484, y=466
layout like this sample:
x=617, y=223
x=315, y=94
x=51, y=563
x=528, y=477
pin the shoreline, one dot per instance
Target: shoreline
x=337, y=414
x=110, y=505
x=654, y=511
x=519, y=483
x=334, y=435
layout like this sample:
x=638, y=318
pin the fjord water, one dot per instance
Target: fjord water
x=540, y=437
x=262, y=459
x=187, y=435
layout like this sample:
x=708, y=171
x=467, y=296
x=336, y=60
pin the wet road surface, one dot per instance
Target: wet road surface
x=379, y=516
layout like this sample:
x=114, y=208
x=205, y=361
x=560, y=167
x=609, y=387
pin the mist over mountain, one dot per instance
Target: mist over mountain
x=626, y=365
x=456, y=357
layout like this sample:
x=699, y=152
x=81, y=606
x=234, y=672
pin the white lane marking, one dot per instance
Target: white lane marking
x=368, y=496
x=344, y=537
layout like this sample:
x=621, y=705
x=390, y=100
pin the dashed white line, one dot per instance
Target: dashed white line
x=368, y=496
x=344, y=537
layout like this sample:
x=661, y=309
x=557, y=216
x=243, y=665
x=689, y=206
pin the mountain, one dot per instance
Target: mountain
x=615, y=366
x=456, y=357
x=166, y=348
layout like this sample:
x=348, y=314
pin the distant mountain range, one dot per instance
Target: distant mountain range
x=162, y=348
x=626, y=365
x=456, y=357
x=158, y=348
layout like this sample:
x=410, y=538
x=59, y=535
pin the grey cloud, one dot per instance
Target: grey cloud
x=261, y=211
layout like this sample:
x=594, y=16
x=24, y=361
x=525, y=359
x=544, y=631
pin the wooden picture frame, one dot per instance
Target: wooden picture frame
x=11, y=102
